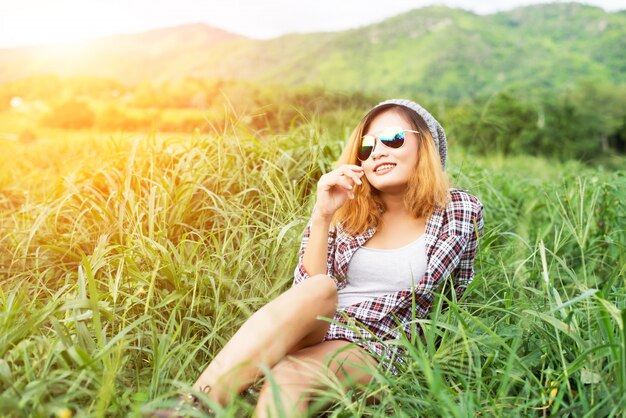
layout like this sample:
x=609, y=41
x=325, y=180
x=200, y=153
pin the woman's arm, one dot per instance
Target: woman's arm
x=333, y=189
x=314, y=259
x=310, y=240
x=464, y=273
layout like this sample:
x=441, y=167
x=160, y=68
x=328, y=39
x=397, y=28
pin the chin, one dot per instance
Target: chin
x=389, y=187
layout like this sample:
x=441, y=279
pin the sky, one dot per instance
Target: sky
x=34, y=22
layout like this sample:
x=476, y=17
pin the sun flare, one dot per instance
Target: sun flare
x=66, y=21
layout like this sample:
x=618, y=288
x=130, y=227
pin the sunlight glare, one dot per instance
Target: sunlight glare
x=46, y=22
x=16, y=102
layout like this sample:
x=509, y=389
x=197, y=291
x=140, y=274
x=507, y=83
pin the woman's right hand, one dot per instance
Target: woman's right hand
x=335, y=187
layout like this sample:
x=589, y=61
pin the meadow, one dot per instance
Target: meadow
x=127, y=261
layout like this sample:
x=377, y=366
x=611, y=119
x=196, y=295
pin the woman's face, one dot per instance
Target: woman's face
x=389, y=169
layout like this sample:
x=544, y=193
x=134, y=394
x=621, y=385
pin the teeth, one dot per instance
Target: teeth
x=385, y=166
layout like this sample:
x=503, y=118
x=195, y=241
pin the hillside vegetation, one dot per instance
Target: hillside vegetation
x=450, y=53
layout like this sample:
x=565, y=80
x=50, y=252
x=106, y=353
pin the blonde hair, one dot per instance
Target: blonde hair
x=428, y=188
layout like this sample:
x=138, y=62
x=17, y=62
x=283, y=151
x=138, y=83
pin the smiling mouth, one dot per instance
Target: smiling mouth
x=384, y=168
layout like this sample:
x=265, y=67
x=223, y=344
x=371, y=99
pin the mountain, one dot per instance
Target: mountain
x=153, y=55
x=433, y=50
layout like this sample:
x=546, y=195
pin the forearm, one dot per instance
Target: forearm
x=315, y=256
x=333, y=189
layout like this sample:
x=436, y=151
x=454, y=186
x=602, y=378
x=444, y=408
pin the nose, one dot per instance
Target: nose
x=379, y=150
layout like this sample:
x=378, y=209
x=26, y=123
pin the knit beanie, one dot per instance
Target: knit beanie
x=433, y=126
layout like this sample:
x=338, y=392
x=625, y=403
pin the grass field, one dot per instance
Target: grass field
x=126, y=262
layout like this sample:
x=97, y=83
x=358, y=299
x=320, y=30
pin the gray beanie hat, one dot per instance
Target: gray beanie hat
x=433, y=126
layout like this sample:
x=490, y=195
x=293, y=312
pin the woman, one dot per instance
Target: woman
x=385, y=231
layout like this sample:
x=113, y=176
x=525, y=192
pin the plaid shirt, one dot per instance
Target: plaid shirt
x=451, y=242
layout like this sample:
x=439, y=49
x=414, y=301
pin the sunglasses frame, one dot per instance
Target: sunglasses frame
x=399, y=129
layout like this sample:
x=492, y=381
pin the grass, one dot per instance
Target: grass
x=127, y=262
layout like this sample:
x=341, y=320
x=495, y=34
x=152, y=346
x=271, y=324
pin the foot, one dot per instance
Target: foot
x=186, y=402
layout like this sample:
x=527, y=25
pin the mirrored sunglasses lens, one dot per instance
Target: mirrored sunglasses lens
x=367, y=145
x=394, y=139
x=365, y=152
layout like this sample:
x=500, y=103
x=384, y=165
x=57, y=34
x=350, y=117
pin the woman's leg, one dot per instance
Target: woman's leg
x=286, y=324
x=301, y=371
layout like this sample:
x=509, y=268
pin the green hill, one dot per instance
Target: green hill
x=440, y=51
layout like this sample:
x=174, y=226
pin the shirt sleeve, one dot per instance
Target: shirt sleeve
x=464, y=273
x=300, y=272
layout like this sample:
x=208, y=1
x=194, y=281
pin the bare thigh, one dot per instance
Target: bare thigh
x=338, y=360
x=334, y=363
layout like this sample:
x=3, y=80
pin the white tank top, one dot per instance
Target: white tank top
x=376, y=272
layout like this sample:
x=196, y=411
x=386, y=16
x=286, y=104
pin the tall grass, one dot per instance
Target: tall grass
x=123, y=273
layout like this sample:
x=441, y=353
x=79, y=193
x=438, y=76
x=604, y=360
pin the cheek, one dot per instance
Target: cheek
x=411, y=157
x=369, y=176
x=367, y=168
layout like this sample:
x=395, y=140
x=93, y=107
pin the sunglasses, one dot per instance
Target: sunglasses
x=392, y=137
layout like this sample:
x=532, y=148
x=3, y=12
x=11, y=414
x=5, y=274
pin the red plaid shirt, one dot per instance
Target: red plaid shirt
x=451, y=242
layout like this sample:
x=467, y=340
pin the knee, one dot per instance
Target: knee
x=316, y=295
x=323, y=288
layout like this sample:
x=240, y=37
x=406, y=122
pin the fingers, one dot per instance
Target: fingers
x=345, y=182
x=334, y=187
x=330, y=180
x=353, y=172
x=345, y=177
x=350, y=167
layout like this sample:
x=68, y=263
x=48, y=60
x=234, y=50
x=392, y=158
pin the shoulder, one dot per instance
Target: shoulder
x=461, y=201
x=462, y=212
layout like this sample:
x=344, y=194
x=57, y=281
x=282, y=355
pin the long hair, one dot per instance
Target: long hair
x=427, y=189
